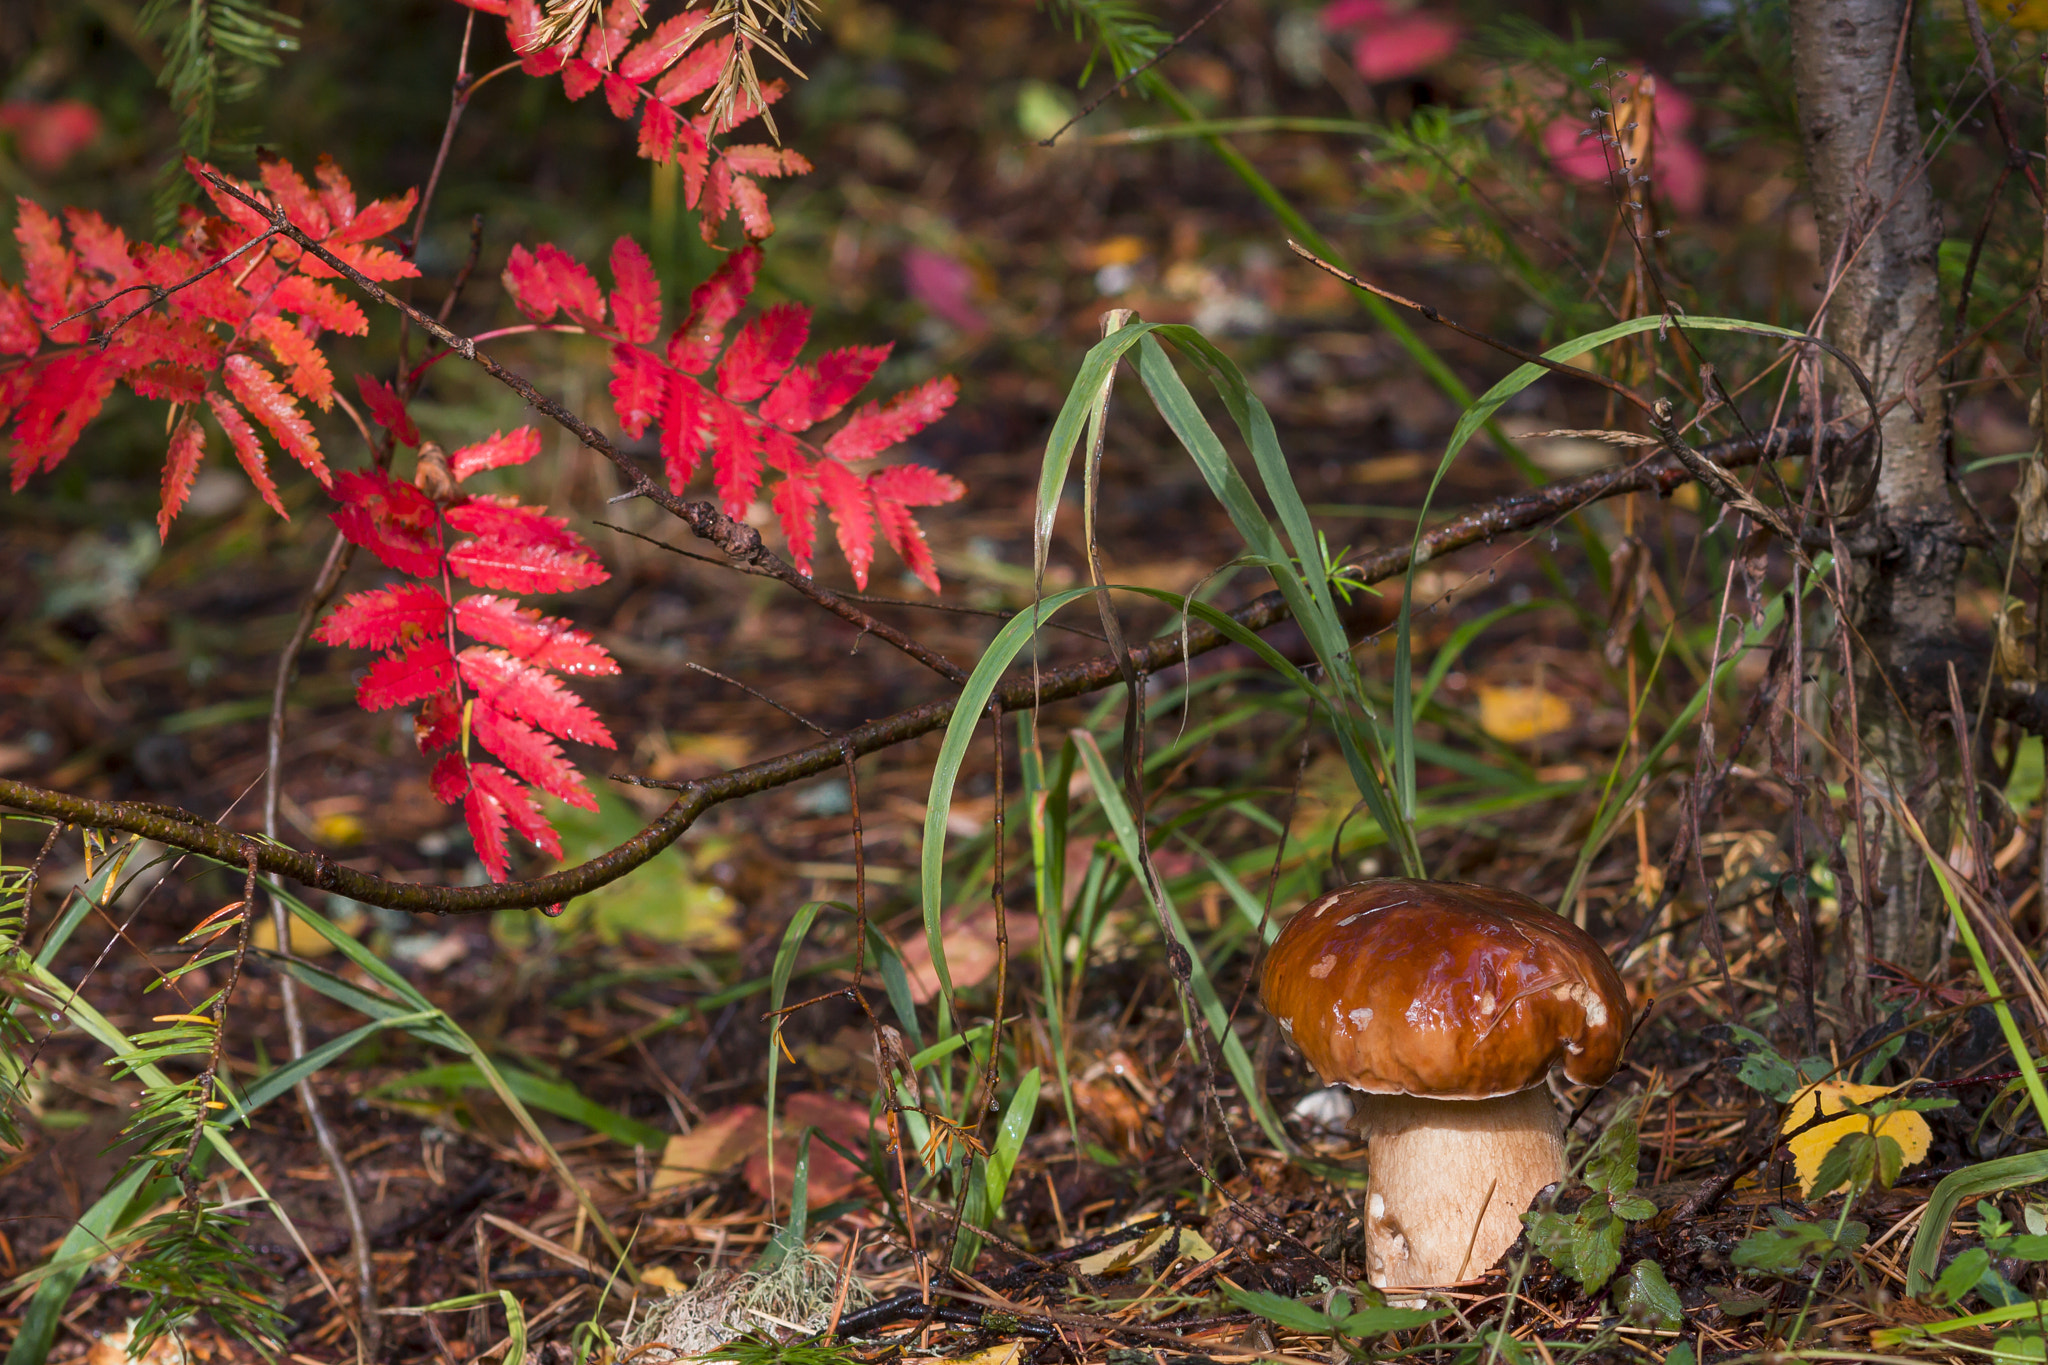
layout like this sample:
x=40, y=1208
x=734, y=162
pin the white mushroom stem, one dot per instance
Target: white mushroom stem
x=1450, y=1179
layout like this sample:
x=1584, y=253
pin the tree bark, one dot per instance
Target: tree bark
x=1879, y=234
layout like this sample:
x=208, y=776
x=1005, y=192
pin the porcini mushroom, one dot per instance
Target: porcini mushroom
x=1447, y=1005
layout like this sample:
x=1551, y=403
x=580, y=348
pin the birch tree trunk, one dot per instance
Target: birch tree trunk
x=1879, y=235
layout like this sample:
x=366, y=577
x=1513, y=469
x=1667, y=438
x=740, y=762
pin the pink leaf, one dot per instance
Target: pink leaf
x=946, y=287
x=1404, y=45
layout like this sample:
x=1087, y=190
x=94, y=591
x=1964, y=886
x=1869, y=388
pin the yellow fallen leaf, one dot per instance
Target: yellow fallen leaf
x=1517, y=714
x=1140, y=1250
x=339, y=829
x=662, y=1278
x=1811, y=1147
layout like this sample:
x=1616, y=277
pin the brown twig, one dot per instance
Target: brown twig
x=1516, y=512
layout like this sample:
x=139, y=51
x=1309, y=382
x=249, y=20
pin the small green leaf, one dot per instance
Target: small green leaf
x=1645, y=1297
x=1373, y=1322
x=1596, y=1250
x=2020, y=1347
x=1292, y=1314
x=1681, y=1354
x=1635, y=1208
x=1961, y=1275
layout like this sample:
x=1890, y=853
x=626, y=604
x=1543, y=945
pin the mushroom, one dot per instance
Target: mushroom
x=1447, y=1005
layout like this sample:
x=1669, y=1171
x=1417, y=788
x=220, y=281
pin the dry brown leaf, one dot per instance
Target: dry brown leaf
x=970, y=944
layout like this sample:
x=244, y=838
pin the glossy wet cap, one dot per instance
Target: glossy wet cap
x=1444, y=989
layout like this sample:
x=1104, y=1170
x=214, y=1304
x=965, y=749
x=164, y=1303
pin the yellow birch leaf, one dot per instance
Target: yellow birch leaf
x=1517, y=714
x=1811, y=1147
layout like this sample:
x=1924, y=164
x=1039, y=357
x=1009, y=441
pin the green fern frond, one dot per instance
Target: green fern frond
x=1118, y=30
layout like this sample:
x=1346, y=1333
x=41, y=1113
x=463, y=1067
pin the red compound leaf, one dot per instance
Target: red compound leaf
x=51, y=271
x=846, y=497
x=621, y=96
x=695, y=73
x=543, y=641
x=258, y=391
x=773, y=162
x=503, y=519
x=898, y=489
x=537, y=697
x=715, y=202
x=486, y=817
x=639, y=386
x=658, y=50
x=188, y=444
x=636, y=293
x=659, y=129
x=878, y=426
x=531, y=285
x=529, y=753
x=405, y=676
x=437, y=724
x=68, y=392
x=763, y=351
x=811, y=393
x=288, y=188
x=382, y=617
x=500, y=451
x=248, y=449
x=713, y=304
x=915, y=485
x=387, y=409
x=392, y=520
x=450, y=777
x=309, y=376
x=580, y=77
x=571, y=284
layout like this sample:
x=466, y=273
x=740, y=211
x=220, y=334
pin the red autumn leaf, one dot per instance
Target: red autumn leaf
x=773, y=162
x=752, y=206
x=19, y=334
x=310, y=378
x=659, y=129
x=659, y=49
x=506, y=521
x=527, y=692
x=682, y=435
x=390, y=519
x=524, y=568
x=639, y=386
x=501, y=450
x=289, y=189
x=437, y=724
x=763, y=352
x=387, y=409
x=695, y=73
x=713, y=304
x=69, y=391
x=636, y=293
x=853, y=514
x=906, y=538
x=878, y=426
x=581, y=76
x=188, y=444
x=809, y=394
x=248, y=449
x=543, y=641
x=51, y=277
x=715, y=202
x=915, y=485
x=571, y=284
x=406, y=675
x=519, y=805
x=323, y=303
x=257, y=390
x=735, y=457
x=449, y=779
x=486, y=818
x=795, y=502
x=621, y=95
x=531, y=285
x=529, y=753
x=382, y=617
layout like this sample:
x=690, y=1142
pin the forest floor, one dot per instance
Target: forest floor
x=641, y=1020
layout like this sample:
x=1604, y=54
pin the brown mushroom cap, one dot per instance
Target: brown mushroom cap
x=1444, y=989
